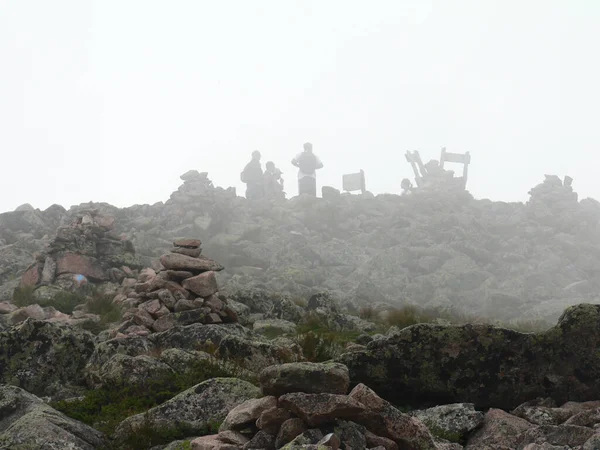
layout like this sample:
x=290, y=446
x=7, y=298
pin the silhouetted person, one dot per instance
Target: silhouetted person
x=308, y=163
x=407, y=187
x=252, y=175
x=273, y=183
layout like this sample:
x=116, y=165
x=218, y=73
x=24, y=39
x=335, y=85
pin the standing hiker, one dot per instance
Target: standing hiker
x=252, y=175
x=308, y=163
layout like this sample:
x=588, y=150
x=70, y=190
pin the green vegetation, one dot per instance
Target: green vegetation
x=96, y=302
x=107, y=407
x=23, y=296
x=407, y=315
x=102, y=305
x=149, y=435
x=63, y=301
x=299, y=301
x=318, y=342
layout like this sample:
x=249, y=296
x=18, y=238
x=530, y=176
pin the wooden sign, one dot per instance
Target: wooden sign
x=354, y=182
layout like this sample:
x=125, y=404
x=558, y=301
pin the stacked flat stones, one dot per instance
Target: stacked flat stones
x=185, y=291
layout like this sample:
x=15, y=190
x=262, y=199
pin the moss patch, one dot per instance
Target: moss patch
x=105, y=408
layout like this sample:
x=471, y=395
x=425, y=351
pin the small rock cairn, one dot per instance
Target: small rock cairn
x=184, y=292
x=197, y=187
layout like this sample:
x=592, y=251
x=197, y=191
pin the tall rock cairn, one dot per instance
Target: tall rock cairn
x=85, y=250
x=183, y=292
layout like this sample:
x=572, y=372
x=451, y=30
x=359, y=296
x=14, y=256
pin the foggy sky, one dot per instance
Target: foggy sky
x=113, y=100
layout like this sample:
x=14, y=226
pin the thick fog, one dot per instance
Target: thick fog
x=112, y=100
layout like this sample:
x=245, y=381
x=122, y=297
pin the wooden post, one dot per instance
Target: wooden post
x=363, y=187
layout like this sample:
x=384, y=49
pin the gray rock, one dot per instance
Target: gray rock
x=289, y=430
x=351, y=434
x=252, y=354
x=247, y=413
x=28, y=422
x=274, y=326
x=313, y=378
x=241, y=310
x=593, y=443
x=261, y=441
x=500, y=429
x=319, y=409
x=564, y=435
x=137, y=371
x=176, y=261
x=311, y=436
x=43, y=357
x=182, y=360
x=453, y=422
x=197, y=408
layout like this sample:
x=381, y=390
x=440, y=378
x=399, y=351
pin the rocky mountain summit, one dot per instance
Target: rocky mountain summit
x=444, y=250
x=342, y=322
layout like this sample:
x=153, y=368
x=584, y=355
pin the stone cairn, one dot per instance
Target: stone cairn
x=197, y=186
x=84, y=251
x=554, y=194
x=307, y=405
x=183, y=292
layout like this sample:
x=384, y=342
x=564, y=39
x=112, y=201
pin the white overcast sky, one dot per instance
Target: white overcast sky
x=112, y=100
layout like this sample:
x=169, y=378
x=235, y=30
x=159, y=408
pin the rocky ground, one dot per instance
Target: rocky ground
x=280, y=377
x=292, y=324
x=443, y=251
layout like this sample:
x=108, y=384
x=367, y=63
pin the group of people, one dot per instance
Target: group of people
x=269, y=184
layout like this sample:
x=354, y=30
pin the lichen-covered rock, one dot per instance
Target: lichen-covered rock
x=310, y=378
x=564, y=435
x=104, y=351
x=308, y=437
x=289, y=430
x=212, y=442
x=247, y=413
x=44, y=358
x=319, y=409
x=261, y=441
x=257, y=300
x=182, y=360
x=542, y=415
x=500, y=430
x=271, y=419
x=384, y=420
x=198, y=336
x=589, y=418
x=242, y=311
x=233, y=437
x=206, y=404
x=26, y=422
x=351, y=434
x=274, y=326
x=453, y=422
x=134, y=371
x=252, y=354
x=485, y=365
x=379, y=441
x=593, y=443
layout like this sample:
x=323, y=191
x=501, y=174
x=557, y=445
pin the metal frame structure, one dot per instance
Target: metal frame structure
x=446, y=157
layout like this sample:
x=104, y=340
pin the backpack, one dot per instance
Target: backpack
x=307, y=163
x=252, y=173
